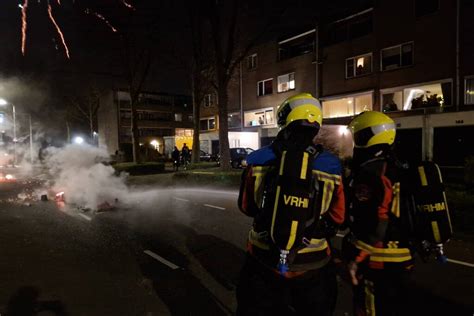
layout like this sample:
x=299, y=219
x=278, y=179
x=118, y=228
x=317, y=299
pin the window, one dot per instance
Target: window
x=415, y=97
x=359, y=66
x=252, y=62
x=178, y=117
x=259, y=117
x=469, y=90
x=234, y=120
x=360, y=27
x=425, y=7
x=286, y=82
x=182, y=132
x=357, y=25
x=347, y=106
x=207, y=124
x=397, y=56
x=209, y=100
x=190, y=118
x=298, y=45
x=125, y=115
x=265, y=87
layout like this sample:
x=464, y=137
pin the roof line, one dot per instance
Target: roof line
x=297, y=36
x=353, y=15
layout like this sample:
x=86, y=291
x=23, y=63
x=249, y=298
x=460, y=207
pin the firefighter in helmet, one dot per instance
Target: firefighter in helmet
x=377, y=248
x=297, y=273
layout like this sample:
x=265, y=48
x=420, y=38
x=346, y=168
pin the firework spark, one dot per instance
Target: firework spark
x=101, y=17
x=128, y=5
x=58, y=29
x=23, y=26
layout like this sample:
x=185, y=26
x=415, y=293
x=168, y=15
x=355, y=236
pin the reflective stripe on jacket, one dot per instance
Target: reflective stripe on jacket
x=314, y=252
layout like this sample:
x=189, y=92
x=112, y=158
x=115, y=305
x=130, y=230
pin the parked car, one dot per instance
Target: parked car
x=238, y=156
x=204, y=156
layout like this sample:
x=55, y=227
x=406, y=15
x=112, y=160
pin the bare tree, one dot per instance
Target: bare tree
x=138, y=34
x=201, y=69
x=84, y=109
x=230, y=44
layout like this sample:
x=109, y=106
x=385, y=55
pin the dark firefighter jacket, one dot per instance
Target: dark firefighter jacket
x=316, y=252
x=379, y=236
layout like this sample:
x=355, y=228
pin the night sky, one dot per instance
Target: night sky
x=40, y=81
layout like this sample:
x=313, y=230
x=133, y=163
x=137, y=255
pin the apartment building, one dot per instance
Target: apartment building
x=164, y=121
x=412, y=59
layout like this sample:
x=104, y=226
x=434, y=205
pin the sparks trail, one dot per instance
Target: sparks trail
x=23, y=26
x=101, y=17
x=128, y=5
x=58, y=29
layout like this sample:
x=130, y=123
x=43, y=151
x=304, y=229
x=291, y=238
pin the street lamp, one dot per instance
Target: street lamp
x=78, y=140
x=5, y=102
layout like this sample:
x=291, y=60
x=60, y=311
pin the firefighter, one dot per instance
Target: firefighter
x=303, y=279
x=377, y=247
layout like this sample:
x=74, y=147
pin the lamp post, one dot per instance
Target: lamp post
x=4, y=102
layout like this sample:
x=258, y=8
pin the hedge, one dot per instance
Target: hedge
x=135, y=169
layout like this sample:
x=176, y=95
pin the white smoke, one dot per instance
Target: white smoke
x=79, y=171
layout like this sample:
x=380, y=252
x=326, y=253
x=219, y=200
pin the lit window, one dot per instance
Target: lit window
x=286, y=82
x=265, y=87
x=397, y=56
x=259, y=117
x=359, y=65
x=178, y=117
x=347, y=106
x=252, y=62
x=422, y=96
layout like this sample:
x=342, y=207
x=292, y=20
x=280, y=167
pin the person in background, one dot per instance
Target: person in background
x=175, y=157
x=185, y=155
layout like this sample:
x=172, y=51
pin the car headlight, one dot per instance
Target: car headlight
x=9, y=177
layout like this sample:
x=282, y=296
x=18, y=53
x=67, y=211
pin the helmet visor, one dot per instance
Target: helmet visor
x=362, y=137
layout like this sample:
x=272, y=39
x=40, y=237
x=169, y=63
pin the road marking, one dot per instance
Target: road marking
x=217, y=192
x=467, y=264
x=213, y=206
x=161, y=259
x=85, y=217
x=180, y=199
x=202, y=172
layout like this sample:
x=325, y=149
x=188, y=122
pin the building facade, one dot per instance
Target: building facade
x=163, y=121
x=412, y=59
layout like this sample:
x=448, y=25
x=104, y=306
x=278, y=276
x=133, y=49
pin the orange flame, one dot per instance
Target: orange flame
x=128, y=5
x=50, y=13
x=23, y=26
x=101, y=17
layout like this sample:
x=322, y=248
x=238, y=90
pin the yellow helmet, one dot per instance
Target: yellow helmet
x=301, y=107
x=372, y=128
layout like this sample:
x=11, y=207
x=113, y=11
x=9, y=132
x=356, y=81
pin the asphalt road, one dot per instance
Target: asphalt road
x=170, y=252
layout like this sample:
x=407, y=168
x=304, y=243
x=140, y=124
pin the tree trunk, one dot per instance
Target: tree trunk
x=196, y=114
x=223, y=128
x=135, y=136
x=91, y=127
x=68, y=131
